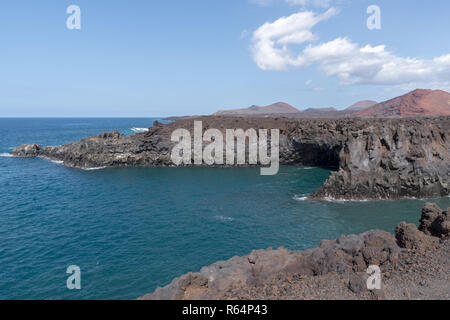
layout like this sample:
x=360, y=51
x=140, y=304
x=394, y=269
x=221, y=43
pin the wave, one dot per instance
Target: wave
x=93, y=169
x=56, y=161
x=224, y=219
x=5, y=155
x=331, y=199
x=301, y=197
x=137, y=130
x=304, y=197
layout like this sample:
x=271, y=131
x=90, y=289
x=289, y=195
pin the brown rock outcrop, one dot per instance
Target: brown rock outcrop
x=409, y=237
x=337, y=266
x=435, y=222
x=345, y=255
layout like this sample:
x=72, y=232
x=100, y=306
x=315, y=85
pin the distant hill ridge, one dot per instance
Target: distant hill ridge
x=420, y=102
x=320, y=110
x=276, y=108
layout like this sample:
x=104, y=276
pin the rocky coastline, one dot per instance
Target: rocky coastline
x=372, y=158
x=414, y=264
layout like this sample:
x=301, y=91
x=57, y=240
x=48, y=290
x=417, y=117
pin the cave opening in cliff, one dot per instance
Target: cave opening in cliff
x=316, y=155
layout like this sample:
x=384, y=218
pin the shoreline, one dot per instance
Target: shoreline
x=414, y=264
x=373, y=159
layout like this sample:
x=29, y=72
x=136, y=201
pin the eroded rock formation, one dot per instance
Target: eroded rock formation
x=406, y=158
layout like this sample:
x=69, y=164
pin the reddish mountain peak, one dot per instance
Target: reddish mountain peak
x=284, y=104
x=420, y=102
x=280, y=107
x=420, y=92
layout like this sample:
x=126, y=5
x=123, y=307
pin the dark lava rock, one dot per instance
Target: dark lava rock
x=28, y=150
x=396, y=159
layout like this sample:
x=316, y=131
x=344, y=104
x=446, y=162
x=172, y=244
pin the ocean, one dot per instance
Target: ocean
x=133, y=229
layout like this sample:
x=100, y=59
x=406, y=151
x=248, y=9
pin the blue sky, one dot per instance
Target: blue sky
x=159, y=58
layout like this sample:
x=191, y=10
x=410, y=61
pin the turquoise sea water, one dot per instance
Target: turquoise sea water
x=133, y=229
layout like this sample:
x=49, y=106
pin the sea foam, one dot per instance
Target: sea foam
x=224, y=219
x=93, y=169
x=300, y=198
x=137, y=130
x=5, y=155
x=331, y=199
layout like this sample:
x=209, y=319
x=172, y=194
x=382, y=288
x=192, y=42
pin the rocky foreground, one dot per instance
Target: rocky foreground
x=372, y=158
x=414, y=263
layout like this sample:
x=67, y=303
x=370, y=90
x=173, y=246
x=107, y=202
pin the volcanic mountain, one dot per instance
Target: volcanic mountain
x=361, y=105
x=276, y=108
x=419, y=102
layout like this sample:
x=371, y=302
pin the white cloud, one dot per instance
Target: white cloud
x=270, y=41
x=308, y=83
x=342, y=58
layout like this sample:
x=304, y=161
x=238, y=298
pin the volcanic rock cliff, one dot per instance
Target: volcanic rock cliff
x=415, y=263
x=373, y=158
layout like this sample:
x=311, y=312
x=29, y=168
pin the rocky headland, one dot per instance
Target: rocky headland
x=414, y=264
x=370, y=158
